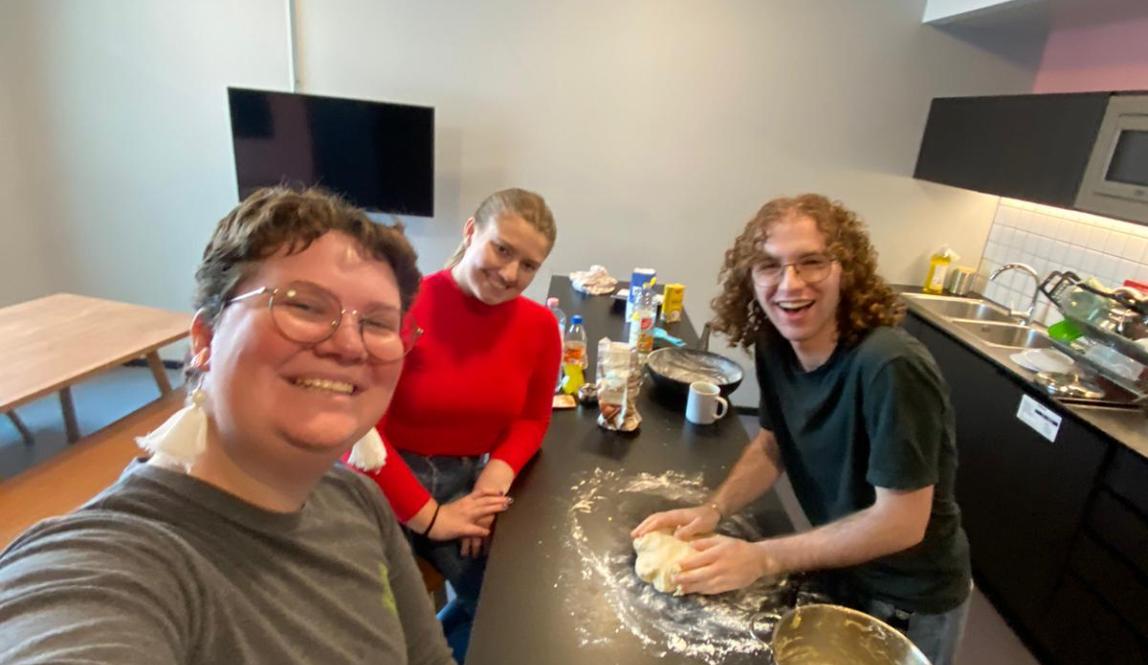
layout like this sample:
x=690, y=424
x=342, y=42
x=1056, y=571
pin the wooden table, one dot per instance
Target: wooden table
x=50, y=343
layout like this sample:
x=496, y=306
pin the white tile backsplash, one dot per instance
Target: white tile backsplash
x=1054, y=239
x=1125, y=267
x=1134, y=249
x=1096, y=236
x=1064, y=230
x=1080, y=235
x=1115, y=243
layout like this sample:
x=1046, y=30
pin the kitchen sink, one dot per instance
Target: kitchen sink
x=961, y=308
x=1010, y=335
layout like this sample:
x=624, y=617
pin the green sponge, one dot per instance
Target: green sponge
x=1064, y=331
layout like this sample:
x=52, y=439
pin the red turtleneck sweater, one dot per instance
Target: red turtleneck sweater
x=479, y=380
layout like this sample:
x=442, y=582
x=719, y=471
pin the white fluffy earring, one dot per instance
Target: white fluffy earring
x=183, y=436
x=369, y=453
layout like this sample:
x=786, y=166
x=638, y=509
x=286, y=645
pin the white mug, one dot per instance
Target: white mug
x=705, y=404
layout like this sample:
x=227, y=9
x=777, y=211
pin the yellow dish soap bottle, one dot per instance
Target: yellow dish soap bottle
x=939, y=264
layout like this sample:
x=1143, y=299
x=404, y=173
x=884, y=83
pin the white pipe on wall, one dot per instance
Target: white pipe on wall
x=292, y=55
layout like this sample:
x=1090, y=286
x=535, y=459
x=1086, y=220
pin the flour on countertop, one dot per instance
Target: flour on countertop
x=606, y=506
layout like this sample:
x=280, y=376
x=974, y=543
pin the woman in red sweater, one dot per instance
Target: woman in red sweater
x=474, y=398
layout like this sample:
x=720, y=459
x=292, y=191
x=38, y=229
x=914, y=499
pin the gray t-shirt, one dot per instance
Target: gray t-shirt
x=162, y=568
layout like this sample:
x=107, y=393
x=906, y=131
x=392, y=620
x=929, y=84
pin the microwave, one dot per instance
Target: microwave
x=1115, y=181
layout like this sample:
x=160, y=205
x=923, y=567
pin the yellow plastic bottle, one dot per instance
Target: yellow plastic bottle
x=574, y=379
x=939, y=264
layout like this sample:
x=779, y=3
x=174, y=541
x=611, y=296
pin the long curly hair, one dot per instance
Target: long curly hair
x=867, y=301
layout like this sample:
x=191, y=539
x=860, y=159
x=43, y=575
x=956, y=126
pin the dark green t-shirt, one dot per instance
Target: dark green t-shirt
x=874, y=415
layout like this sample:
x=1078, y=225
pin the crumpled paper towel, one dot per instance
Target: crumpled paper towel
x=596, y=281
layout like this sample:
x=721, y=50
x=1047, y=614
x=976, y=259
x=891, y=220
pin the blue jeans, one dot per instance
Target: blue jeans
x=936, y=635
x=449, y=478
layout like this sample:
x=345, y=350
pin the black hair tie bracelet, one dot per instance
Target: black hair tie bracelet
x=426, y=534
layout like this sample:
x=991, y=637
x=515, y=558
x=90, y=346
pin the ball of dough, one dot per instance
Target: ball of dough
x=659, y=555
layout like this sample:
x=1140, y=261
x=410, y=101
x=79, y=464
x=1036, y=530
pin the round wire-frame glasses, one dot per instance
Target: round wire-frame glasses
x=811, y=270
x=309, y=314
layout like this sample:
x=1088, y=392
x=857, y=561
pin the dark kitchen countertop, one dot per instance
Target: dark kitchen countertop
x=539, y=604
x=1126, y=426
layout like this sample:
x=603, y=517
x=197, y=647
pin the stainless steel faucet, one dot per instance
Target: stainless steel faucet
x=1031, y=272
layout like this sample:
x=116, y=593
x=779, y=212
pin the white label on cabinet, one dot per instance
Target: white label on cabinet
x=1038, y=417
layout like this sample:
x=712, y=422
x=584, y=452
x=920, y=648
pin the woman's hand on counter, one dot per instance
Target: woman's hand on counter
x=464, y=517
x=496, y=476
x=474, y=546
x=723, y=564
x=686, y=522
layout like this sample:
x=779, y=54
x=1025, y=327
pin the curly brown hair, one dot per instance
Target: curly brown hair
x=867, y=301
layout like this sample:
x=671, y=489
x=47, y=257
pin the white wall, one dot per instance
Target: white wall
x=944, y=10
x=24, y=271
x=122, y=137
x=655, y=128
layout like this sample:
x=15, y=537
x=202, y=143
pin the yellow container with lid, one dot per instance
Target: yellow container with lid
x=673, y=296
x=939, y=264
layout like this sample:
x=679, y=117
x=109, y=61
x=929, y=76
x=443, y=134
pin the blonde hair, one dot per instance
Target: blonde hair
x=529, y=206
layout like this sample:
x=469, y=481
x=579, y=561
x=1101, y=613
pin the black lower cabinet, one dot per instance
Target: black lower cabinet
x=1081, y=628
x=1058, y=529
x=1113, y=580
x=1022, y=497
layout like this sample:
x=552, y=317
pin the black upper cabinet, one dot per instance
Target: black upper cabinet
x=1030, y=147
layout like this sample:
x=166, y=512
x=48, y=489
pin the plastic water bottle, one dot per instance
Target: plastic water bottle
x=560, y=316
x=574, y=343
x=642, y=322
x=574, y=358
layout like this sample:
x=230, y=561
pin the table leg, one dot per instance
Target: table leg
x=158, y=372
x=70, y=426
x=25, y=433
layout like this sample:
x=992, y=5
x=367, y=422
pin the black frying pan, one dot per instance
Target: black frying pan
x=673, y=370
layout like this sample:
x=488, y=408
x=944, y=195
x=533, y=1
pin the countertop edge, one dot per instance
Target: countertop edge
x=1127, y=427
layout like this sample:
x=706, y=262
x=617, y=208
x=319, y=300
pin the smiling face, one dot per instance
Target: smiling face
x=802, y=300
x=272, y=400
x=502, y=258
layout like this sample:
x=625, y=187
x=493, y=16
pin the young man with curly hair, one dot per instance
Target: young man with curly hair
x=856, y=412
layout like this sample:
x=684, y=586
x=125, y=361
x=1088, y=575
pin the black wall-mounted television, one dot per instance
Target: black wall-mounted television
x=380, y=156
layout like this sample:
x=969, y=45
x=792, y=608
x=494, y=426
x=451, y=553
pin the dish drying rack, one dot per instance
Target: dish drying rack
x=1095, y=313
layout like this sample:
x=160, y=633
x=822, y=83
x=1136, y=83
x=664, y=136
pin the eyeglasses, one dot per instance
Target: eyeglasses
x=309, y=314
x=811, y=270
